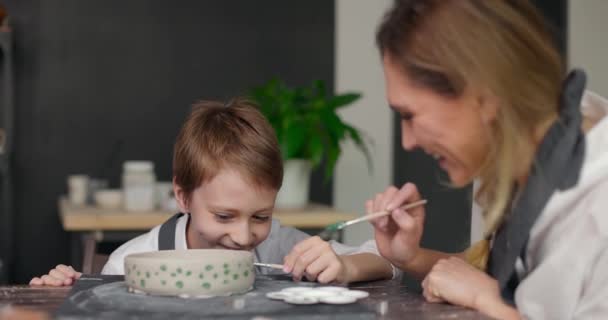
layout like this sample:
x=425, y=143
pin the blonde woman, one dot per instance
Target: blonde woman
x=480, y=87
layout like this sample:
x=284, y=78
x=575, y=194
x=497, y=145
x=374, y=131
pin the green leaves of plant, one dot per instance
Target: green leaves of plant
x=306, y=122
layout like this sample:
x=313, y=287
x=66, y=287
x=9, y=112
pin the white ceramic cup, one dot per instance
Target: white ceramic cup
x=78, y=185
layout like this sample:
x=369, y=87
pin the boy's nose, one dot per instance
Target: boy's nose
x=242, y=236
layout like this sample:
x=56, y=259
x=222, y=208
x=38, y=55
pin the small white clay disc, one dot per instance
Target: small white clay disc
x=332, y=289
x=357, y=294
x=317, y=293
x=278, y=295
x=301, y=300
x=297, y=289
x=338, y=300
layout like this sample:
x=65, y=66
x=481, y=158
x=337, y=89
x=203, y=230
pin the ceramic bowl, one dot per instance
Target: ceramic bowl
x=190, y=273
x=108, y=198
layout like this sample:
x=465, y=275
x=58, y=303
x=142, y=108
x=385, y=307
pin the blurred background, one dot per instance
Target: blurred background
x=88, y=85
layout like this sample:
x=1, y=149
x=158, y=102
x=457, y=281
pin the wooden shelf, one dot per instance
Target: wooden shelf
x=90, y=218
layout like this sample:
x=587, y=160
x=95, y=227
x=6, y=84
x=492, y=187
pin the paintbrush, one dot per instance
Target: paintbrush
x=268, y=265
x=330, y=230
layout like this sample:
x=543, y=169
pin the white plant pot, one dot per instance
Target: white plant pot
x=296, y=183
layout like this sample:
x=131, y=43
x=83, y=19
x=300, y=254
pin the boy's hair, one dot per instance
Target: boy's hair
x=233, y=136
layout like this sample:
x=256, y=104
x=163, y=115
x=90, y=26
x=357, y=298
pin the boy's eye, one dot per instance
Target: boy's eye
x=261, y=218
x=223, y=216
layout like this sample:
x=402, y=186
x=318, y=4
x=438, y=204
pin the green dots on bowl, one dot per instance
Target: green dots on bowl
x=235, y=276
x=138, y=273
x=179, y=270
x=148, y=274
x=201, y=276
x=163, y=267
x=215, y=275
x=225, y=281
x=225, y=266
x=179, y=284
x=173, y=274
x=163, y=282
x=226, y=271
x=142, y=283
x=246, y=273
x=208, y=267
x=207, y=285
x=188, y=273
x=239, y=265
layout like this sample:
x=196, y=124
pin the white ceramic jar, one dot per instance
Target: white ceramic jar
x=138, y=182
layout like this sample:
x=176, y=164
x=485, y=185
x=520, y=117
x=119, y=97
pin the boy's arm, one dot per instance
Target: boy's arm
x=365, y=267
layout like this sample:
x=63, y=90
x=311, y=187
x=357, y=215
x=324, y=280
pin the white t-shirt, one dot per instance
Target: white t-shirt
x=279, y=243
x=566, y=276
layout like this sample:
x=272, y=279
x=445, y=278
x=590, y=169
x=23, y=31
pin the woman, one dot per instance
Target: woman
x=480, y=87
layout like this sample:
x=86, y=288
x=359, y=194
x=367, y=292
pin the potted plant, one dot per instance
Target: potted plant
x=309, y=131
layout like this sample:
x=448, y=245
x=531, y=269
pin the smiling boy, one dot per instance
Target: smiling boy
x=227, y=170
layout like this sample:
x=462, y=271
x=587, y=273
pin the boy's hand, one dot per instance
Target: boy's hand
x=62, y=275
x=317, y=261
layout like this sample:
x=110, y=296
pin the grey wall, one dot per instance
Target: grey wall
x=103, y=81
x=588, y=42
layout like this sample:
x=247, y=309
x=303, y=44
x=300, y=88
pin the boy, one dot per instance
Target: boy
x=227, y=170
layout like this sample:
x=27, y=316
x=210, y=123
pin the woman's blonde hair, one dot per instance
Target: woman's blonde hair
x=499, y=48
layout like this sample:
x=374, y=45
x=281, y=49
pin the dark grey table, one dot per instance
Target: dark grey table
x=106, y=297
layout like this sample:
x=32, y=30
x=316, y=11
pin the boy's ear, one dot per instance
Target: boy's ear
x=180, y=197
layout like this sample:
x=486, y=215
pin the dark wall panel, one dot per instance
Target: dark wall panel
x=100, y=82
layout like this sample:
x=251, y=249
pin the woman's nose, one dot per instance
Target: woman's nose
x=408, y=138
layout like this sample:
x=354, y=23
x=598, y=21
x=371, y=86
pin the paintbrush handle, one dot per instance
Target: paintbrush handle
x=381, y=214
x=269, y=265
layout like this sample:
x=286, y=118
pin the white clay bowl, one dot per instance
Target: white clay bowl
x=190, y=273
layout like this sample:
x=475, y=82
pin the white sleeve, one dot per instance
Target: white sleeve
x=593, y=303
x=144, y=243
x=368, y=246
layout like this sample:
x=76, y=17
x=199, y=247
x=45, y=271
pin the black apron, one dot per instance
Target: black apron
x=557, y=166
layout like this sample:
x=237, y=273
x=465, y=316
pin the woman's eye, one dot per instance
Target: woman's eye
x=407, y=116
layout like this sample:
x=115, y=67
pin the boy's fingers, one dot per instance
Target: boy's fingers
x=307, y=258
x=330, y=274
x=58, y=275
x=50, y=281
x=36, y=282
x=317, y=267
x=67, y=271
x=77, y=274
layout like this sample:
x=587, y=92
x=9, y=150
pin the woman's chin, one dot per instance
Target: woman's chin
x=459, y=180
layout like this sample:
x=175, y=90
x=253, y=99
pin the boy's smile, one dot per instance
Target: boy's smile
x=227, y=212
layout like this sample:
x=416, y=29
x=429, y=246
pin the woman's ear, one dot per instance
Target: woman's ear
x=488, y=107
x=181, y=197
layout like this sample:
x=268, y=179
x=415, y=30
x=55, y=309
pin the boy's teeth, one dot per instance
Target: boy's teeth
x=436, y=156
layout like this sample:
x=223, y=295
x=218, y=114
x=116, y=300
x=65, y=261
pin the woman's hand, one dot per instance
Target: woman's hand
x=455, y=281
x=398, y=235
x=62, y=275
x=314, y=259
